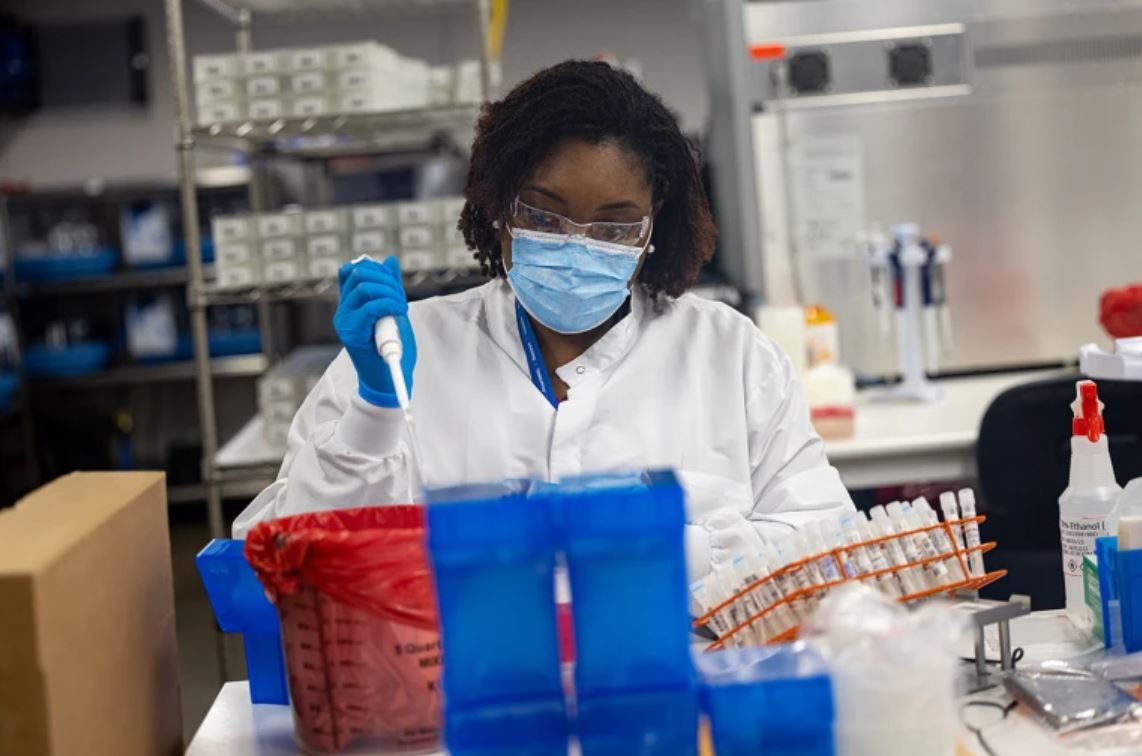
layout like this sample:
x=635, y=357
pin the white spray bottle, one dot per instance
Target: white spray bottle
x=1090, y=496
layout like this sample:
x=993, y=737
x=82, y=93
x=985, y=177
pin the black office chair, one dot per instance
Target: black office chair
x=1023, y=458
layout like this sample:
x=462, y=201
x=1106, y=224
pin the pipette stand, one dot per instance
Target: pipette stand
x=914, y=385
x=984, y=612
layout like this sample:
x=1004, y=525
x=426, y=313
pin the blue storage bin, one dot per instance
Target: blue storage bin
x=65, y=267
x=241, y=606
x=8, y=384
x=634, y=678
x=493, y=556
x=1129, y=572
x=75, y=359
x=770, y=701
x=1106, y=551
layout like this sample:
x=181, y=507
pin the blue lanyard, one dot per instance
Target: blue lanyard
x=535, y=364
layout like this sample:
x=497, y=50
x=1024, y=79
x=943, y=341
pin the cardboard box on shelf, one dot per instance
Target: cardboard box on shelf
x=88, y=658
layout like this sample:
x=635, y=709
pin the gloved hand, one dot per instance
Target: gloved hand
x=370, y=291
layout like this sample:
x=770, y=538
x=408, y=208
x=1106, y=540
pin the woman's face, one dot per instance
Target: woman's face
x=587, y=183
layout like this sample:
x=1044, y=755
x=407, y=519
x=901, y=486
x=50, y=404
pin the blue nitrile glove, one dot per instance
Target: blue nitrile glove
x=369, y=292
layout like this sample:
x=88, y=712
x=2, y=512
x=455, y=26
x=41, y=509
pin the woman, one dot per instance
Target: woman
x=582, y=353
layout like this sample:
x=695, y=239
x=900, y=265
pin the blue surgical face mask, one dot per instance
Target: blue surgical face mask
x=570, y=284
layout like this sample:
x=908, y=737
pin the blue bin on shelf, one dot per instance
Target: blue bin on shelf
x=8, y=384
x=493, y=556
x=770, y=701
x=75, y=359
x=634, y=677
x=65, y=267
x=241, y=606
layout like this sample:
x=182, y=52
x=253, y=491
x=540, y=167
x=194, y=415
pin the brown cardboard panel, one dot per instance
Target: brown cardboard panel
x=92, y=668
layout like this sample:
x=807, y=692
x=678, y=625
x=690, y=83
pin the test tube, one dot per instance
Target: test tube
x=735, y=611
x=826, y=564
x=781, y=618
x=876, y=555
x=790, y=552
x=971, y=532
x=803, y=549
x=706, y=599
x=786, y=585
x=847, y=525
x=952, y=513
x=760, y=629
x=926, y=541
x=895, y=551
x=940, y=539
x=915, y=548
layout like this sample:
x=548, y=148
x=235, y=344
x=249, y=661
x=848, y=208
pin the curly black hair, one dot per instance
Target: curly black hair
x=596, y=102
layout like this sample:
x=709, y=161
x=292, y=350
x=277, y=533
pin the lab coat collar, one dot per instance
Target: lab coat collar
x=499, y=303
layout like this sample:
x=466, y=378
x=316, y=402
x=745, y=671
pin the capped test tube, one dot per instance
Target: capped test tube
x=894, y=550
x=940, y=539
x=971, y=532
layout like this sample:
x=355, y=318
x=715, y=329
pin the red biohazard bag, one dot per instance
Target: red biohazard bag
x=1120, y=311
x=359, y=629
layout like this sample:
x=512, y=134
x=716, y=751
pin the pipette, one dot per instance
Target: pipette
x=386, y=335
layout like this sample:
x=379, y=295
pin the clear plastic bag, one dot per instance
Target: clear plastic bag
x=893, y=670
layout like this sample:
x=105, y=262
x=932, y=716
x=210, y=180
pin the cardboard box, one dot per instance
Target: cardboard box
x=88, y=659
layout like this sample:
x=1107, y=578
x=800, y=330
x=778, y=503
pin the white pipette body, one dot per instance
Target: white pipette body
x=389, y=346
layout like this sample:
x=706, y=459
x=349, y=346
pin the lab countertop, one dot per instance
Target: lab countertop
x=904, y=442
x=235, y=727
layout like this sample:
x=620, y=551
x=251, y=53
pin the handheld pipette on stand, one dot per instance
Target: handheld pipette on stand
x=906, y=258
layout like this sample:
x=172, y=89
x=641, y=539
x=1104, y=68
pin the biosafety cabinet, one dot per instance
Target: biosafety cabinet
x=1011, y=128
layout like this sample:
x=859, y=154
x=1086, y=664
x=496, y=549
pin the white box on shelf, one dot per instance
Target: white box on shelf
x=419, y=260
x=361, y=101
x=329, y=220
x=417, y=237
x=310, y=81
x=279, y=224
x=417, y=213
x=372, y=216
x=265, y=109
x=450, y=208
x=264, y=86
x=310, y=105
x=460, y=258
x=364, y=55
x=324, y=267
x=359, y=78
x=217, y=89
x=233, y=253
x=238, y=276
x=231, y=228
x=309, y=59
x=215, y=66
x=453, y=236
x=284, y=248
x=221, y=111
x=324, y=245
x=441, y=85
x=370, y=242
x=281, y=271
x=268, y=62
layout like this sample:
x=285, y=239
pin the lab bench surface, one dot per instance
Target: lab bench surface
x=235, y=727
x=904, y=442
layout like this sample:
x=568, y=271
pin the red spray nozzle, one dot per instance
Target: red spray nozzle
x=1088, y=411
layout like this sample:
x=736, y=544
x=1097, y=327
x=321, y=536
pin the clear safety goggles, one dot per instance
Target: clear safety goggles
x=524, y=217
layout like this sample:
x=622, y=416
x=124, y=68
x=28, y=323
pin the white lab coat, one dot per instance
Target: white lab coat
x=694, y=387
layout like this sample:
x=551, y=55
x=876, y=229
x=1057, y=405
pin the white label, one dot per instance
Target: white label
x=309, y=106
x=263, y=86
x=309, y=82
x=368, y=242
x=827, y=183
x=416, y=236
x=279, y=249
x=324, y=246
x=371, y=216
x=264, y=109
x=322, y=221
x=1078, y=537
x=413, y=213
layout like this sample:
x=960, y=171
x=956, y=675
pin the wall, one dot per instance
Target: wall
x=65, y=147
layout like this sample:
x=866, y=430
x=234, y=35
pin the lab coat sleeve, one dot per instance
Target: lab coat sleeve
x=341, y=452
x=793, y=482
